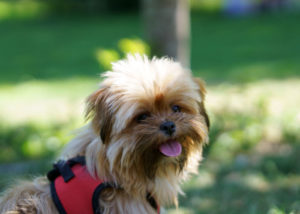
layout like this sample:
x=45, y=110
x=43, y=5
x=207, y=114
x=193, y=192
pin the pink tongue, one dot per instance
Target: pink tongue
x=170, y=148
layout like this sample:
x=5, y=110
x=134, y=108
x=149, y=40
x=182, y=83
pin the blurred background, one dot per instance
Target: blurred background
x=248, y=52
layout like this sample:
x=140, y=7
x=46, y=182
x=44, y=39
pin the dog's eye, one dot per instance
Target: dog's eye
x=142, y=117
x=176, y=108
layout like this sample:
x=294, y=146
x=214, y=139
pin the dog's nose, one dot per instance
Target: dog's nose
x=168, y=127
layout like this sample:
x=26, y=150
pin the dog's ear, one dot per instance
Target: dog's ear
x=99, y=112
x=202, y=92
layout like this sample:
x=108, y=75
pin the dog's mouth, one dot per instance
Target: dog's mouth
x=170, y=148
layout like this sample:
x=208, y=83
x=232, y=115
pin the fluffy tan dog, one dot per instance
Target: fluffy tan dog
x=147, y=128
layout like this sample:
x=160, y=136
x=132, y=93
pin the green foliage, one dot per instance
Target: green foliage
x=106, y=56
x=32, y=141
x=30, y=9
x=206, y=5
x=22, y=9
x=134, y=46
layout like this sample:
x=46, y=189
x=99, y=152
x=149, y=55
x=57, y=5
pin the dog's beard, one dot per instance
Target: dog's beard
x=134, y=154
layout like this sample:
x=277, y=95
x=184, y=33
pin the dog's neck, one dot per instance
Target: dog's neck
x=164, y=188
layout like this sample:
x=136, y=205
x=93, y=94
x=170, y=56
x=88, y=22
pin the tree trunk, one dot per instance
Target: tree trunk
x=167, y=24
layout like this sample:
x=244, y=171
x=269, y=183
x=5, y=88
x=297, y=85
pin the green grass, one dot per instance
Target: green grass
x=223, y=49
x=246, y=49
x=252, y=66
x=59, y=48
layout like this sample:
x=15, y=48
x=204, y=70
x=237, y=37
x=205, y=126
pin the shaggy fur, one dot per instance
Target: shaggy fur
x=123, y=149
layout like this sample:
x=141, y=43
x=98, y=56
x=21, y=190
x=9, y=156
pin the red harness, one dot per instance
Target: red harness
x=75, y=191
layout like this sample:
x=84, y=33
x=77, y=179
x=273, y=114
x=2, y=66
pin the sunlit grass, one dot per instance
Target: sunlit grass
x=41, y=102
x=22, y=9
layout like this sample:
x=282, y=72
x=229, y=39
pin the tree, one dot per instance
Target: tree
x=167, y=25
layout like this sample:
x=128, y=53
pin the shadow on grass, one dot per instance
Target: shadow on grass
x=10, y=173
x=233, y=197
x=257, y=187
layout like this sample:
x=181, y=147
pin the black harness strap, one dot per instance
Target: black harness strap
x=151, y=201
x=63, y=168
x=96, y=195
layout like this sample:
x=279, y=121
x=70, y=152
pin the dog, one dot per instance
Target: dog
x=147, y=125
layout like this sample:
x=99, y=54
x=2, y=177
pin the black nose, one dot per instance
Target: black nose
x=168, y=127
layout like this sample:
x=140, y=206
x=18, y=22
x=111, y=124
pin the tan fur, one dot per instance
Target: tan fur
x=28, y=197
x=123, y=151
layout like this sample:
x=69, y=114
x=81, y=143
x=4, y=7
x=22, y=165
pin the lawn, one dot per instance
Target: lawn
x=223, y=49
x=252, y=68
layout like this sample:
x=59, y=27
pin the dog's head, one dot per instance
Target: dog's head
x=150, y=117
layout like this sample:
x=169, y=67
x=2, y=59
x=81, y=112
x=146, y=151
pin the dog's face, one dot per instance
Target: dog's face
x=150, y=117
